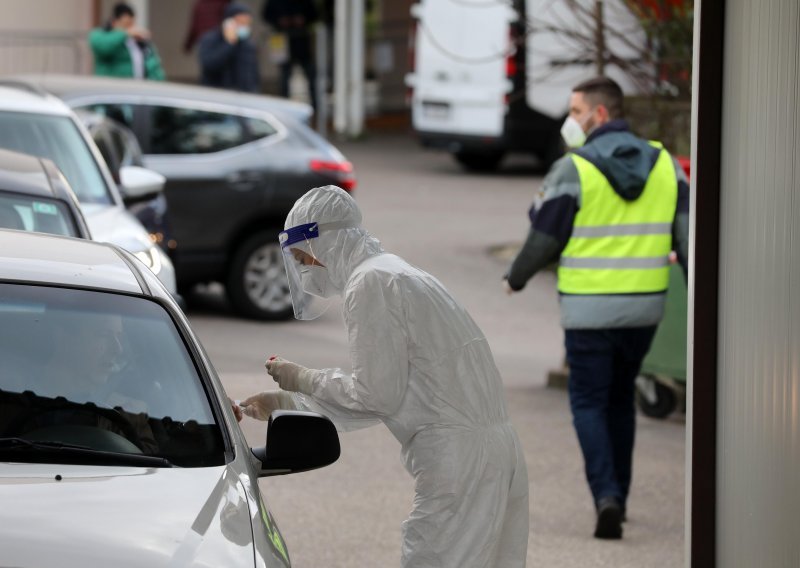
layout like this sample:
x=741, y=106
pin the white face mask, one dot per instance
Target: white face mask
x=572, y=133
x=314, y=280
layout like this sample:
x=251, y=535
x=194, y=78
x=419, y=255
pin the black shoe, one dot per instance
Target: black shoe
x=609, y=519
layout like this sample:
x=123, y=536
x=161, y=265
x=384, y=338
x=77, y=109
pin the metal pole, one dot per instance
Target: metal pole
x=340, y=63
x=356, y=75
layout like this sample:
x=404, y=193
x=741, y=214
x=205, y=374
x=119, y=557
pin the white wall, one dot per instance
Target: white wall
x=46, y=15
x=758, y=495
x=45, y=36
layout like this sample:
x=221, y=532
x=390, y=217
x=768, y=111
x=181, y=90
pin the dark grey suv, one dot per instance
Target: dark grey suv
x=235, y=164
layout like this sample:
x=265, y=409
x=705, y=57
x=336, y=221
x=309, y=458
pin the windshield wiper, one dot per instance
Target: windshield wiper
x=72, y=452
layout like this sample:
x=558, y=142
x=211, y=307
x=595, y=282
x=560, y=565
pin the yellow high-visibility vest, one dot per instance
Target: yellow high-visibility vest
x=619, y=246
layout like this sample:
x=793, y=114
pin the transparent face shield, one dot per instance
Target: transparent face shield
x=308, y=278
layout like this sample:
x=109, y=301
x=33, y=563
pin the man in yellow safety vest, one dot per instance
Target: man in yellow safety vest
x=611, y=212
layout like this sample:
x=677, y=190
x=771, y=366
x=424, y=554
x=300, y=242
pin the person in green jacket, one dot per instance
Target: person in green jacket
x=121, y=49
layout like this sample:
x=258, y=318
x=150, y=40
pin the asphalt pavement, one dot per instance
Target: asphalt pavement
x=459, y=227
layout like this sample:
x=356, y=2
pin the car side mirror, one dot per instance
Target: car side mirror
x=137, y=183
x=297, y=441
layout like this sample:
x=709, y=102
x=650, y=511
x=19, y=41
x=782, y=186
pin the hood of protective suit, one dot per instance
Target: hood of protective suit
x=340, y=250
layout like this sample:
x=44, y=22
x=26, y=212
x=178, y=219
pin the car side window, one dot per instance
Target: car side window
x=192, y=131
x=104, y=144
x=259, y=128
x=126, y=147
x=122, y=113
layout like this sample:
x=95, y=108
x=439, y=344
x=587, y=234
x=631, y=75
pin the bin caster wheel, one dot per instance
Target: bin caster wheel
x=654, y=399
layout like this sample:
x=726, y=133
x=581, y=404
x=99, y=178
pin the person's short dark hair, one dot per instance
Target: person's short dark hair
x=603, y=91
x=122, y=9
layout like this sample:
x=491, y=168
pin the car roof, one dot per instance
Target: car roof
x=39, y=178
x=39, y=258
x=23, y=173
x=79, y=86
x=21, y=97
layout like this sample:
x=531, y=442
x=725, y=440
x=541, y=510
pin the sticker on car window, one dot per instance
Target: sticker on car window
x=44, y=208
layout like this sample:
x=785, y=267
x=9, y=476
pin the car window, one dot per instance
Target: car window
x=259, y=128
x=122, y=113
x=56, y=138
x=103, y=140
x=126, y=146
x=190, y=131
x=26, y=213
x=104, y=371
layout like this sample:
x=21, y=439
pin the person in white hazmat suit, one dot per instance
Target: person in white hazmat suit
x=423, y=368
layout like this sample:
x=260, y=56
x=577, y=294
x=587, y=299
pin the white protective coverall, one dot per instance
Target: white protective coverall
x=423, y=367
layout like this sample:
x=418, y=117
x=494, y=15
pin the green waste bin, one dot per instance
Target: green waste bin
x=661, y=384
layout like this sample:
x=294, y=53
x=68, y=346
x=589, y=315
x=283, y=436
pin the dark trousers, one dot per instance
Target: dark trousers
x=309, y=70
x=603, y=365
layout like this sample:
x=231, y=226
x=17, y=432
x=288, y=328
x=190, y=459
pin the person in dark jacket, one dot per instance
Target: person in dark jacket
x=612, y=211
x=227, y=54
x=121, y=49
x=295, y=18
x=206, y=15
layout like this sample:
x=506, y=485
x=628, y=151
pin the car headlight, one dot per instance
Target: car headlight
x=151, y=257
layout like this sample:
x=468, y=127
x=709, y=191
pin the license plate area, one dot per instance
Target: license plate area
x=436, y=110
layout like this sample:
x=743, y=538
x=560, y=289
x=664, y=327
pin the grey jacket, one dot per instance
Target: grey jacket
x=626, y=161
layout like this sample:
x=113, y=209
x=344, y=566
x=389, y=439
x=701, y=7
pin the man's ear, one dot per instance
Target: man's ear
x=601, y=114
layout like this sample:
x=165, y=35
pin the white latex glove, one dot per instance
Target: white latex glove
x=290, y=376
x=507, y=287
x=261, y=405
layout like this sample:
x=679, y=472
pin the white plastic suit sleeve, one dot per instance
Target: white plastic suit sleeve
x=378, y=353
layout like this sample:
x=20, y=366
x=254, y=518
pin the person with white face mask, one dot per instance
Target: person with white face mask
x=613, y=209
x=421, y=366
x=227, y=54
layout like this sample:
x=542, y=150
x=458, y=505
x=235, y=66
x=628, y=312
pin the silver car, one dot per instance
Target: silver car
x=234, y=164
x=118, y=445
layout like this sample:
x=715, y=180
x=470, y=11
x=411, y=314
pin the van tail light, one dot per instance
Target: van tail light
x=512, y=66
x=341, y=172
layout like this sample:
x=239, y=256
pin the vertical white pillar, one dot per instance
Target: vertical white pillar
x=340, y=65
x=356, y=70
x=348, y=115
x=142, y=10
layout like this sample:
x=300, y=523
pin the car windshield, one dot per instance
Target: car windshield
x=28, y=213
x=56, y=138
x=101, y=371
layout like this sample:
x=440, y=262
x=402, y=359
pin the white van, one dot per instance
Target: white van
x=491, y=77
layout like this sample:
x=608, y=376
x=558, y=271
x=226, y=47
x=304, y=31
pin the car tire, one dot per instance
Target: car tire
x=486, y=161
x=256, y=286
x=653, y=398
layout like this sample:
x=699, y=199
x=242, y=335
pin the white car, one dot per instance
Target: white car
x=37, y=123
x=118, y=445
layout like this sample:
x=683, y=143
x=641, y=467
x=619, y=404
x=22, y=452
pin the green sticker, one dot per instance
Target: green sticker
x=45, y=208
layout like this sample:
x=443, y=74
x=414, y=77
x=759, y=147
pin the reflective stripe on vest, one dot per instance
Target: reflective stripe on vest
x=619, y=246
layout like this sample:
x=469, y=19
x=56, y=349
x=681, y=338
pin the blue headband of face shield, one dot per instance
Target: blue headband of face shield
x=309, y=231
x=299, y=233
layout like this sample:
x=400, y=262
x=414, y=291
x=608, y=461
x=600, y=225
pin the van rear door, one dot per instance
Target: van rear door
x=459, y=80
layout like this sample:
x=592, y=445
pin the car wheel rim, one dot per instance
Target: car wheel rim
x=265, y=279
